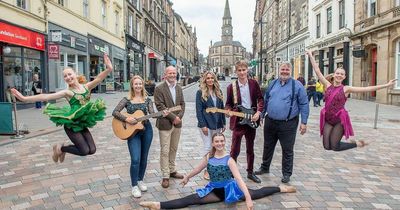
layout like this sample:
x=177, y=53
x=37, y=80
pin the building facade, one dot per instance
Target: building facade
x=225, y=53
x=376, y=48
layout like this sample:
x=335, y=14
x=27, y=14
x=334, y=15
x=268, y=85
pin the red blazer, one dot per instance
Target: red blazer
x=257, y=100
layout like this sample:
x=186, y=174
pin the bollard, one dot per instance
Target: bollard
x=376, y=116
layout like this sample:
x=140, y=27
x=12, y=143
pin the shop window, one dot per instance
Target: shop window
x=29, y=53
x=103, y=14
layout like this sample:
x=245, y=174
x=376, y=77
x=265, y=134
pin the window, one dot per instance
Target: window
x=226, y=49
x=318, y=25
x=329, y=20
x=371, y=8
x=341, y=14
x=22, y=4
x=137, y=27
x=61, y=2
x=86, y=8
x=117, y=23
x=397, y=3
x=293, y=23
x=398, y=64
x=130, y=24
x=103, y=14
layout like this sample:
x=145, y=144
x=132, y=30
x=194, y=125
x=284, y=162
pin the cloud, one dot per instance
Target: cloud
x=206, y=16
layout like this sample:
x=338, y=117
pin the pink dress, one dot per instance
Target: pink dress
x=334, y=111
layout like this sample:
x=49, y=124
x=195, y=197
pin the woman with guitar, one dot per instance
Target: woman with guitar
x=138, y=143
x=80, y=115
x=209, y=95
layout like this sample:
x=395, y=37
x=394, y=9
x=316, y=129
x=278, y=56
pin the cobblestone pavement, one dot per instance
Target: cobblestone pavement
x=366, y=178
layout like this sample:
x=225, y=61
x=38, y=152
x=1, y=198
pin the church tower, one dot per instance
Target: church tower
x=227, y=24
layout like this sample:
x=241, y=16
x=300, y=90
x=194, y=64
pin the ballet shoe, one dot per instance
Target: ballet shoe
x=287, y=189
x=149, y=204
x=55, y=154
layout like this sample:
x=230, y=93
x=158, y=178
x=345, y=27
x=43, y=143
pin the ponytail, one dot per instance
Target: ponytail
x=81, y=79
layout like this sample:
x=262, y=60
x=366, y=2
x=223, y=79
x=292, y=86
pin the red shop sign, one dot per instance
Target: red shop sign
x=22, y=37
x=53, y=51
x=151, y=55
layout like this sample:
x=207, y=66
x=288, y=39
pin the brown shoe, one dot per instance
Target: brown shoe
x=176, y=175
x=165, y=183
x=61, y=157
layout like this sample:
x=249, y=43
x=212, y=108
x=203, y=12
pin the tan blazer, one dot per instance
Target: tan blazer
x=163, y=100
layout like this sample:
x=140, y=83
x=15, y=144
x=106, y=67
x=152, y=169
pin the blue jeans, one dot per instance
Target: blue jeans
x=139, y=146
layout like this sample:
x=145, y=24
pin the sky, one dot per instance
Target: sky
x=206, y=16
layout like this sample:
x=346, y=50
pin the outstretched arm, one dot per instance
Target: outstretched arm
x=40, y=97
x=317, y=71
x=350, y=89
x=196, y=170
x=100, y=77
x=236, y=174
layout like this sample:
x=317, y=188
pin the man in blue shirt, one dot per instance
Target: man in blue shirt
x=285, y=99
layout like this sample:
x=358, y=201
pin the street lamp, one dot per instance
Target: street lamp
x=166, y=21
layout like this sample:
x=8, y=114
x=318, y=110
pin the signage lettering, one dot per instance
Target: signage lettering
x=22, y=37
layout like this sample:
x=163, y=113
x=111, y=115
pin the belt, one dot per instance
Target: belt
x=294, y=118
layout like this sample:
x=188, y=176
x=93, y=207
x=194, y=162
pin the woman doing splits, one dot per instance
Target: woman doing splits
x=222, y=186
x=334, y=119
x=76, y=118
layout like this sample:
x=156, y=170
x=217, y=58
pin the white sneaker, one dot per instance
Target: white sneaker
x=136, y=192
x=142, y=186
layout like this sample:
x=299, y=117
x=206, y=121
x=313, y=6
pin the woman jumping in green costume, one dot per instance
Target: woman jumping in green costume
x=76, y=118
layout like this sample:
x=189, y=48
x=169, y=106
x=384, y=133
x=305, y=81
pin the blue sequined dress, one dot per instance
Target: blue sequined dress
x=221, y=177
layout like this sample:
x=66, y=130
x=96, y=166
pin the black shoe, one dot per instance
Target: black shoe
x=285, y=179
x=261, y=170
x=253, y=177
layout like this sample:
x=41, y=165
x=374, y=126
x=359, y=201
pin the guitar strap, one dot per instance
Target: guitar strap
x=234, y=91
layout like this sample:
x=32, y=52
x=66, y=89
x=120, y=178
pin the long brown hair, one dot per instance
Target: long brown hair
x=205, y=92
x=132, y=91
x=213, y=150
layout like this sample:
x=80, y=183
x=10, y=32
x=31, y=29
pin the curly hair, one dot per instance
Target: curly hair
x=205, y=92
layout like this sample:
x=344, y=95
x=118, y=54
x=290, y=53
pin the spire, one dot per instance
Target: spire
x=227, y=12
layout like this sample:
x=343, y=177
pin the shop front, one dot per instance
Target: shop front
x=297, y=58
x=115, y=82
x=21, y=57
x=135, y=57
x=153, y=65
x=72, y=51
x=96, y=49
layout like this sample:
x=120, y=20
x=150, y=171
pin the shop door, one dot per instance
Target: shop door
x=374, y=66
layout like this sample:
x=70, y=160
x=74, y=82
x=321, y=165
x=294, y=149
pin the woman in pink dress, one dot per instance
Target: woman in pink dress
x=334, y=119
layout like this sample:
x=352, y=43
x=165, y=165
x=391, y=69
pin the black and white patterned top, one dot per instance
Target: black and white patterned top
x=147, y=108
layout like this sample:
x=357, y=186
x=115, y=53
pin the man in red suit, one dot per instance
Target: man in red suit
x=245, y=93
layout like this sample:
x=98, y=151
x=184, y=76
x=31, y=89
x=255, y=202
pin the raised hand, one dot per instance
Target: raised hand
x=17, y=94
x=107, y=62
x=391, y=83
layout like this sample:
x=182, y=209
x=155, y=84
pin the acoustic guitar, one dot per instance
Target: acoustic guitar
x=124, y=130
x=244, y=113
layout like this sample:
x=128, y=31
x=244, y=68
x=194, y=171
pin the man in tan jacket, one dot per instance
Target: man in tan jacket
x=166, y=95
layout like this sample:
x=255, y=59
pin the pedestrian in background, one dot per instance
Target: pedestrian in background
x=319, y=91
x=301, y=79
x=285, y=100
x=139, y=144
x=226, y=183
x=311, y=92
x=334, y=118
x=246, y=93
x=166, y=95
x=209, y=96
x=37, y=89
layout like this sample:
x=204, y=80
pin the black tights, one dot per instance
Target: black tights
x=83, y=142
x=212, y=197
x=331, y=138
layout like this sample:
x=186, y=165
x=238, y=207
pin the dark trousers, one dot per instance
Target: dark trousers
x=249, y=135
x=285, y=132
x=312, y=94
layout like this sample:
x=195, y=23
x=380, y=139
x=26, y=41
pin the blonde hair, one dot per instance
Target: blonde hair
x=241, y=63
x=213, y=150
x=205, y=92
x=131, y=94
